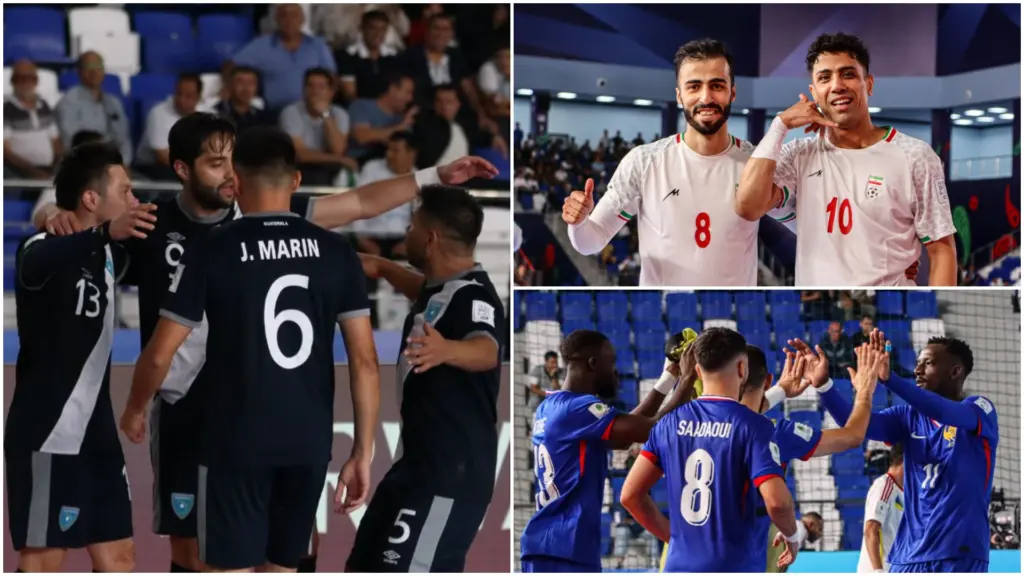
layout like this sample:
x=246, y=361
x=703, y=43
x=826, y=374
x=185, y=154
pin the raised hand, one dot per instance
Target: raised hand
x=817, y=367
x=579, y=204
x=806, y=113
x=869, y=363
x=793, y=380
x=465, y=169
x=879, y=344
x=133, y=223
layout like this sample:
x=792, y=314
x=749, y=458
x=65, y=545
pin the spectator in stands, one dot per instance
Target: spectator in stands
x=385, y=234
x=495, y=81
x=544, y=377
x=374, y=121
x=152, y=158
x=814, y=523
x=319, y=130
x=31, y=138
x=364, y=67
x=341, y=24
x=623, y=533
x=237, y=106
x=436, y=63
x=283, y=57
x=838, y=350
x=418, y=28
x=88, y=107
x=639, y=140
x=867, y=324
x=517, y=136
x=446, y=135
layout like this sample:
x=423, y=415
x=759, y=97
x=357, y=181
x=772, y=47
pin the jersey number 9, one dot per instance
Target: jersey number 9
x=272, y=322
x=695, y=501
x=548, y=492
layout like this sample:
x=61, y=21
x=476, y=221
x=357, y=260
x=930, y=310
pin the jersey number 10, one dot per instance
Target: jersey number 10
x=845, y=215
x=272, y=322
x=547, y=491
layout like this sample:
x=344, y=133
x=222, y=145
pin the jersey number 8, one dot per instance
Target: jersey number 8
x=702, y=236
x=545, y=475
x=272, y=322
x=695, y=501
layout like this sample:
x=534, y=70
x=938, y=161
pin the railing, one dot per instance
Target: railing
x=981, y=168
x=989, y=253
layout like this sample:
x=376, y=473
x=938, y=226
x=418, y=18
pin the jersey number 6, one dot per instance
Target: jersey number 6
x=845, y=215
x=272, y=322
x=695, y=501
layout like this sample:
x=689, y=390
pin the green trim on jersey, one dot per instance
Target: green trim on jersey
x=787, y=217
x=625, y=216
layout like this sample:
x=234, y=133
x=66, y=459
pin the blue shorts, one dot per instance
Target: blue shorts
x=959, y=565
x=551, y=564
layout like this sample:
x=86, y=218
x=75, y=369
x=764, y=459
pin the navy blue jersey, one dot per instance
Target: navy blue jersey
x=715, y=453
x=571, y=463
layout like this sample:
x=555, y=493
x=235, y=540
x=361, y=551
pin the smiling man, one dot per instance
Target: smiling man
x=869, y=196
x=682, y=188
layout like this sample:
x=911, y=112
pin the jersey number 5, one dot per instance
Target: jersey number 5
x=547, y=492
x=845, y=215
x=272, y=322
x=695, y=502
x=702, y=236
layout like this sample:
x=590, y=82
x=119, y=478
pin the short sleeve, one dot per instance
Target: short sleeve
x=158, y=131
x=353, y=301
x=587, y=418
x=359, y=112
x=621, y=201
x=302, y=204
x=652, y=448
x=796, y=440
x=933, y=219
x=988, y=423
x=472, y=312
x=763, y=453
x=340, y=119
x=533, y=378
x=879, y=502
x=291, y=122
x=185, y=302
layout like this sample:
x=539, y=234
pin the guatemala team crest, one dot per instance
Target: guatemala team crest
x=182, y=504
x=67, y=517
x=432, y=312
x=875, y=186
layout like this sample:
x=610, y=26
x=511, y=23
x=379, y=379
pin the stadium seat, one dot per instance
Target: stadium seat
x=645, y=305
x=851, y=327
x=816, y=329
x=120, y=52
x=97, y=20
x=576, y=305
x=776, y=297
x=163, y=25
x=681, y=306
x=922, y=305
x=762, y=340
x=571, y=325
x=889, y=303
x=611, y=305
x=17, y=210
x=786, y=312
x=787, y=332
x=40, y=34
x=606, y=533
x=656, y=326
x=540, y=306
x=720, y=323
x=149, y=86
x=659, y=492
x=898, y=331
x=715, y=304
x=651, y=369
x=170, y=55
x=907, y=358
x=624, y=361
x=750, y=305
x=754, y=326
x=629, y=393
x=649, y=340
x=676, y=325
x=220, y=36
x=111, y=83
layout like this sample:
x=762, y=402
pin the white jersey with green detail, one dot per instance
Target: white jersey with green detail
x=861, y=215
x=690, y=234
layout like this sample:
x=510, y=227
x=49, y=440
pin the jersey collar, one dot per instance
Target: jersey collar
x=718, y=398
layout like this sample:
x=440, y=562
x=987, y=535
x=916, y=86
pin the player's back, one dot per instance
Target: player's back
x=275, y=287
x=571, y=461
x=715, y=453
x=688, y=224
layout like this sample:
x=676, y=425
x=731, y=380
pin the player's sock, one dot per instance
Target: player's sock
x=307, y=564
x=179, y=568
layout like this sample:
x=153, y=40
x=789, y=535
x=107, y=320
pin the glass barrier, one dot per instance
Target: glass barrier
x=981, y=168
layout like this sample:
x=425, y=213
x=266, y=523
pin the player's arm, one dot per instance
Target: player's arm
x=889, y=425
x=852, y=433
x=336, y=210
x=766, y=475
x=976, y=413
x=406, y=280
x=933, y=220
x=876, y=509
x=942, y=262
x=636, y=496
x=873, y=543
x=475, y=330
x=592, y=227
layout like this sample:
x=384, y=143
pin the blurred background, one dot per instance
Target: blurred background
x=592, y=81
x=407, y=86
x=638, y=323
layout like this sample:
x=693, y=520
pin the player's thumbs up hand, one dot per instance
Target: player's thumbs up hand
x=579, y=204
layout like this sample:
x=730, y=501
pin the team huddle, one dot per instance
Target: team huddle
x=729, y=508
x=862, y=199
x=236, y=377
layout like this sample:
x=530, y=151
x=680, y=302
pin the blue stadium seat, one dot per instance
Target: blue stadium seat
x=889, y=303
x=656, y=326
x=786, y=312
x=648, y=340
x=220, y=36
x=907, y=358
x=606, y=533
x=774, y=360
x=39, y=34
x=494, y=156
x=676, y=325
x=617, y=482
x=715, y=304
x=628, y=393
x=776, y=297
x=69, y=79
x=526, y=201
x=171, y=55
x=611, y=305
x=576, y=305
x=789, y=332
x=607, y=327
x=851, y=327
x=896, y=330
x=681, y=306
x=750, y=305
x=17, y=210
x=815, y=330
x=540, y=306
x=922, y=305
x=753, y=326
x=165, y=25
x=624, y=361
x=149, y=86
x=659, y=492
x=651, y=369
x=571, y=325
x=620, y=340
x=762, y=340
x=646, y=305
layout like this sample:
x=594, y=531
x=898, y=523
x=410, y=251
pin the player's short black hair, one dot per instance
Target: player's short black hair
x=704, y=49
x=582, y=344
x=958, y=348
x=371, y=15
x=85, y=136
x=454, y=209
x=187, y=136
x=404, y=136
x=265, y=151
x=82, y=168
x=318, y=71
x=758, y=370
x=190, y=77
x=896, y=455
x=551, y=354
x=717, y=346
x=838, y=43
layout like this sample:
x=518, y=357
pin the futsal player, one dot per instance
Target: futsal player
x=865, y=197
x=272, y=286
x=680, y=188
x=427, y=510
x=715, y=454
x=883, y=511
x=949, y=455
x=67, y=486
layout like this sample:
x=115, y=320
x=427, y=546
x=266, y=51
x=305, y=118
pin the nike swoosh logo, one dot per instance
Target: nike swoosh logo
x=916, y=437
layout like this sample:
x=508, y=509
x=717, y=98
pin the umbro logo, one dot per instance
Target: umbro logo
x=813, y=174
x=391, y=557
x=674, y=192
x=175, y=237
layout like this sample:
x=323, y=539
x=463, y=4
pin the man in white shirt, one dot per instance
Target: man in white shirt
x=31, y=139
x=388, y=228
x=869, y=196
x=681, y=188
x=883, y=511
x=152, y=157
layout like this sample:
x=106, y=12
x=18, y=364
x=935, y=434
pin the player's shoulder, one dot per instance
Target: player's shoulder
x=914, y=149
x=741, y=148
x=983, y=403
x=639, y=157
x=31, y=239
x=801, y=146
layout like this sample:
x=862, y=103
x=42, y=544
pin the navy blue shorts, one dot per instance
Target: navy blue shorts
x=552, y=564
x=959, y=565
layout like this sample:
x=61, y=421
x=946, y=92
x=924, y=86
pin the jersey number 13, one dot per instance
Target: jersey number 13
x=273, y=320
x=547, y=492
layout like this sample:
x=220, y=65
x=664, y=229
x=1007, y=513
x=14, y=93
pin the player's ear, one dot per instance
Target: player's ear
x=871, y=83
x=592, y=363
x=181, y=170
x=679, y=96
x=732, y=98
x=768, y=381
x=90, y=200
x=296, y=180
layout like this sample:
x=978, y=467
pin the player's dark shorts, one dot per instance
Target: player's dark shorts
x=249, y=516
x=557, y=565
x=173, y=449
x=955, y=565
x=67, y=501
x=406, y=529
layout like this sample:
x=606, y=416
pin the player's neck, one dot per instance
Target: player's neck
x=447, y=268
x=87, y=219
x=714, y=387
x=266, y=202
x=856, y=137
x=896, y=478
x=748, y=401
x=188, y=203
x=707, y=145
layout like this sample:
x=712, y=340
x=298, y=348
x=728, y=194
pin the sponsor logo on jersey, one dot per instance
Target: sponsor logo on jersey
x=432, y=312
x=803, y=430
x=483, y=313
x=674, y=192
x=949, y=435
x=876, y=184
x=67, y=517
x=598, y=409
x=391, y=557
x=984, y=404
x=182, y=504
x=775, y=452
x=175, y=237
x=813, y=174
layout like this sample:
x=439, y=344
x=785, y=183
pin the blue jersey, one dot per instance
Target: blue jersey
x=571, y=462
x=947, y=482
x=715, y=453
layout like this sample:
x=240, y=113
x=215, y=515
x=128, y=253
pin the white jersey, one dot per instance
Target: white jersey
x=885, y=506
x=861, y=215
x=690, y=234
